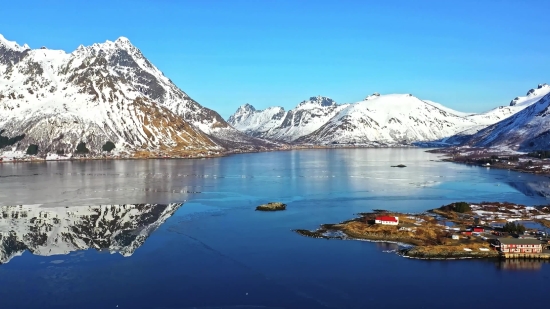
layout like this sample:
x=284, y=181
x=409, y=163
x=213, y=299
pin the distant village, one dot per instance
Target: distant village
x=501, y=225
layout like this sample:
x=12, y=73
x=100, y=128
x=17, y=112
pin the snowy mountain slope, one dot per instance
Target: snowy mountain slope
x=526, y=130
x=516, y=105
x=448, y=110
x=256, y=122
x=128, y=62
x=278, y=124
x=483, y=120
x=107, y=91
x=389, y=119
x=61, y=230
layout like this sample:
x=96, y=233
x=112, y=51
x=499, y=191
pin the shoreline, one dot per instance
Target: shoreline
x=210, y=156
x=408, y=249
x=488, y=158
x=427, y=235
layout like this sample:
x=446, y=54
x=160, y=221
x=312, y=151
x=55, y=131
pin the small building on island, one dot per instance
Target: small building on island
x=519, y=245
x=386, y=220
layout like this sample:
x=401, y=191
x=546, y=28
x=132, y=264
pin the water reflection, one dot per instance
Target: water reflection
x=61, y=230
x=535, y=188
x=387, y=246
x=520, y=265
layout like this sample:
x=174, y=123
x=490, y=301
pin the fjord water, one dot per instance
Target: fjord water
x=215, y=251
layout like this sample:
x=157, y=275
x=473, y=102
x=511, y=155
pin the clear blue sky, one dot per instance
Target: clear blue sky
x=469, y=55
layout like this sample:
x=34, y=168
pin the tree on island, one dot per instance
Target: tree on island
x=32, y=150
x=108, y=147
x=81, y=148
x=462, y=207
x=514, y=228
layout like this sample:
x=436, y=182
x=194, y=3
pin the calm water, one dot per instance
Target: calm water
x=215, y=251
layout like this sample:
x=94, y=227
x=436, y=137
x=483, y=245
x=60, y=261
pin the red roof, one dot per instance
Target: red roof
x=386, y=218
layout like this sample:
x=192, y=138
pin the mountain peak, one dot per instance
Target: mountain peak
x=319, y=101
x=246, y=108
x=124, y=43
x=531, y=96
x=533, y=92
x=12, y=44
x=123, y=40
x=372, y=96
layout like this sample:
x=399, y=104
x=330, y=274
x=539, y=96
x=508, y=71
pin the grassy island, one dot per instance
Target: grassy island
x=458, y=230
x=273, y=206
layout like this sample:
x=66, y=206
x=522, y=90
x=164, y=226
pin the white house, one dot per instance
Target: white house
x=387, y=220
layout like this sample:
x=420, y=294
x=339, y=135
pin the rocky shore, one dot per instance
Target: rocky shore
x=416, y=253
x=272, y=206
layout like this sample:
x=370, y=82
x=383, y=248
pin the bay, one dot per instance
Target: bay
x=212, y=250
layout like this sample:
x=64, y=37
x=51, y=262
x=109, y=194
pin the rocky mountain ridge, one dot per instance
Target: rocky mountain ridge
x=277, y=124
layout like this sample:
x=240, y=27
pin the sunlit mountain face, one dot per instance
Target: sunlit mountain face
x=61, y=230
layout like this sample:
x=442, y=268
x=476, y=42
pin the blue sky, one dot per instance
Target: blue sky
x=470, y=56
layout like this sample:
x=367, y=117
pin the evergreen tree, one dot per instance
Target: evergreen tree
x=462, y=207
x=32, y=150
x=109, y=146
x=81, y=148
x=5, y=141
x=514, y=228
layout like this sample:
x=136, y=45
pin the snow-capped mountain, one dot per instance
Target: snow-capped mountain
x=389, y=119
x=395, y=119
x=528, y=129
x=278, y=124
x=61, y=230
x=103, y=92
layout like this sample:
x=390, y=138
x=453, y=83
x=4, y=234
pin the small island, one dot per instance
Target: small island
x=272, y=206
x=457, y=230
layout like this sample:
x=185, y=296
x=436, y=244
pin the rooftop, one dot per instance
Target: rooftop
x=387, y=218
x=519, y=241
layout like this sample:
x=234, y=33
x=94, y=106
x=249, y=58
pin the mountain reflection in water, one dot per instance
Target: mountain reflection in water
x=535, y=188
x=61, y=230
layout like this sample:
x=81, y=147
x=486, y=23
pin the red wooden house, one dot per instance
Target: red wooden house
x=387, y=220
